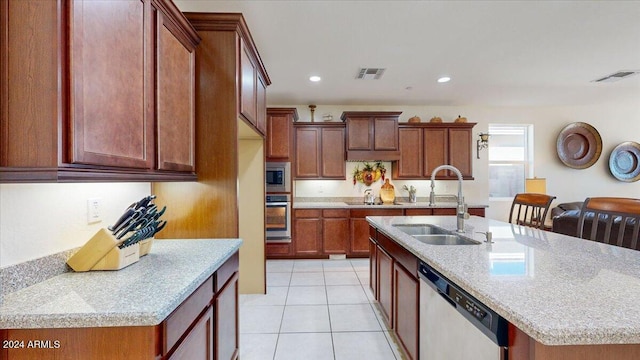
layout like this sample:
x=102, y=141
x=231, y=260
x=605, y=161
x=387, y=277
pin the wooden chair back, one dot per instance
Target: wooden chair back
x=618, y=221
x=530, y=209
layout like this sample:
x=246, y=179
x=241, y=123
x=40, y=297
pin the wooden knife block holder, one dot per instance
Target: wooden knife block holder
x=101, y=252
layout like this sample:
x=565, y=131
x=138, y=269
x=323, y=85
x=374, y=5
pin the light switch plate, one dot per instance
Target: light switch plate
x=93, y=211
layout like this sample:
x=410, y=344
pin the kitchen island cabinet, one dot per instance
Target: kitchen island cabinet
x=178, y=302
x=68, y=114
x=600, y=281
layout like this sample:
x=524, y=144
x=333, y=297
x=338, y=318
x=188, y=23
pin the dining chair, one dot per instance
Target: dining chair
x=530, y=209
x=618, y=221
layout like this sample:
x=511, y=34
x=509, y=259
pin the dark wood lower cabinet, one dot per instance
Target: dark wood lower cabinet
x=226, y=331
x=203, y=327
x=394, y=281
x=384, y=265
x=406, y=317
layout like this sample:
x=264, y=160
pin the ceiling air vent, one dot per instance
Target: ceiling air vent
x=370, y=73
x=617, y=76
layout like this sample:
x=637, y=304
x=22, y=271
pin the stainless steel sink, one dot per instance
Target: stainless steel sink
x=445, y=239
x=433, y=235
x=420, y=229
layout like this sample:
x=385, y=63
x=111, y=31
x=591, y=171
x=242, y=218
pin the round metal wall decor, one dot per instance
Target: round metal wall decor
x=624, y=162
x=579, y=145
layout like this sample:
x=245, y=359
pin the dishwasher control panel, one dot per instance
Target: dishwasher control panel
x=466, y=303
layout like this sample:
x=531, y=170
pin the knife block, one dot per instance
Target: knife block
x=101, y=252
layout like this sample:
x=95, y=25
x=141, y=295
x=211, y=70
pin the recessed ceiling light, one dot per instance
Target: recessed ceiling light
x=315, y=78
x=444, y=79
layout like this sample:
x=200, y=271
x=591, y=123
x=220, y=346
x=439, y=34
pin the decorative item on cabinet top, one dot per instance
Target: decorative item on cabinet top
x=128, y=239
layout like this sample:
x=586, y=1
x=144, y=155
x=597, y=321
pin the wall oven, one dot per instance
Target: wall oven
x=278, y=177
x=278, y=218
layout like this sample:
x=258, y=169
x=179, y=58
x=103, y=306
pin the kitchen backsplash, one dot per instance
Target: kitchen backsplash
x=346, y=188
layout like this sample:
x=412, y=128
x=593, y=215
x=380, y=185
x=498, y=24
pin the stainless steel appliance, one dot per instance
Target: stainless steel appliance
x=278, y=177
x=454, y=325
x=278, y=218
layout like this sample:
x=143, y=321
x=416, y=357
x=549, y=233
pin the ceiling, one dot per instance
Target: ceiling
x=498, y=53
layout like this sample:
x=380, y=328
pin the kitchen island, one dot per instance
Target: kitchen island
x=563, y=297
x=163, y=305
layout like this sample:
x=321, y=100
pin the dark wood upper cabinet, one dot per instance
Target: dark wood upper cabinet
x=81, y=96
x=372, y=135
x=175, y=114
x=248, y=82
x=319, y=151
x=279, y=140
x=427, y=146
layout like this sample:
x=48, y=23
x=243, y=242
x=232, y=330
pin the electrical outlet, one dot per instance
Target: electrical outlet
x=93, y=211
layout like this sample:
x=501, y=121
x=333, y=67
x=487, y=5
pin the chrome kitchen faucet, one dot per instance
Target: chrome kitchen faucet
x=461, y=211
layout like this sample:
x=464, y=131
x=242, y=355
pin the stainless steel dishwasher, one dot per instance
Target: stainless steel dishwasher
x=456, y=326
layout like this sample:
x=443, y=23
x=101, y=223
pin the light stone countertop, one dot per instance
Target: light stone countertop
x=558, y=289
x=357, y=205
x=142, y=294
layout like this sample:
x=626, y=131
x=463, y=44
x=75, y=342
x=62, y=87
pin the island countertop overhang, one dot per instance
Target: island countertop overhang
x=558, y=289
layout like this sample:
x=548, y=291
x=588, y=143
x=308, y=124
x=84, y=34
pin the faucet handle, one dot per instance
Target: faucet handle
x=488, y=235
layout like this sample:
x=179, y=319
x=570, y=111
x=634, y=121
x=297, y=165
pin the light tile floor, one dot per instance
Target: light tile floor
x=315, y=309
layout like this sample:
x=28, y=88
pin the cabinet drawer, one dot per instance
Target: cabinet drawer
x=307, y=213
x=417, y=212
x=335, y=213
x=372, y=232
x=225, y=272
x=361, y=213
x=175, y=326
x=401, y=255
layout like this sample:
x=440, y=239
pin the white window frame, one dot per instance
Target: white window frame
x=495, y=129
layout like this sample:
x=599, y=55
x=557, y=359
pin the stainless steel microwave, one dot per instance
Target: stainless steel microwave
x=278, y=177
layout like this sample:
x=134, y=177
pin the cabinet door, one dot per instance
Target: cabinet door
x=406, y=305
x=335, y=232
x=333, y=153
x=307, y=236
x=198, y=343
x=278, y=136
x=385, y=284
x=410, y=164
x=373, y=270
x=111, y=117
x=435, y=146
x=261, y=106
x=359, y=237
x=307, y=153
x=226, y=339
x=460, y=150
x=248, y=79
x=175, y=99
x=359, y=134
x=385, y=133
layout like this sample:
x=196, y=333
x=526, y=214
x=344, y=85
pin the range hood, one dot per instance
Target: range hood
x=372, y=135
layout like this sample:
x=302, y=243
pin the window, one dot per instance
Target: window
x=510, y=159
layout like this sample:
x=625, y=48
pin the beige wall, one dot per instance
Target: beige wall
x=616, y=123
x=251, y=215
x=37, y=220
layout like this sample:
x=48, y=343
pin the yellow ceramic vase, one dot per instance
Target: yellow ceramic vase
x=387, y=192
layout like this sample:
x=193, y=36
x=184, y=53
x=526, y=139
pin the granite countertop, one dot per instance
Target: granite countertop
x=358, y=204
x=558, y=289
x=142, y=294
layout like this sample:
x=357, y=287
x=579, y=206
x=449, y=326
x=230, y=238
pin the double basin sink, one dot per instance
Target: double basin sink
x=432, y=235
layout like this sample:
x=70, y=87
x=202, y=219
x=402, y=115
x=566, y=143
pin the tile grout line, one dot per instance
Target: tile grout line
x=326, y=294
